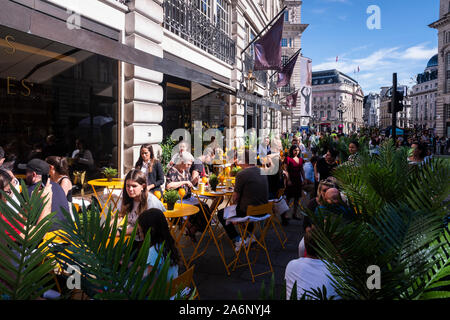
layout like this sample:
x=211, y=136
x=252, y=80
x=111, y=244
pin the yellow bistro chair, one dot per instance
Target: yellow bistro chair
x=261, y=216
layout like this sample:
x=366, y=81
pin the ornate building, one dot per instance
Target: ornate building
x=371, y=109
x=424, y=96
x=443, y=94
x=337, y=102
x=291, y=43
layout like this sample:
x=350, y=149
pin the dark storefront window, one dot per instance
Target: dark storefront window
x=186, y=102
x=50, y=96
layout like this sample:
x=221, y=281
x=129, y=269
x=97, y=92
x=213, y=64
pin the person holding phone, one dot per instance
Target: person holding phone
x=37, y=171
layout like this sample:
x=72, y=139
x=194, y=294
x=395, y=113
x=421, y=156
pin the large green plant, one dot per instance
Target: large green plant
x=106, y=266
x=399, y=228
x=24, y=262
x=166, y=152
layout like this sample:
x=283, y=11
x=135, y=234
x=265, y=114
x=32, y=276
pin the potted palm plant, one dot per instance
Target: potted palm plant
x=235, y=171
x=109, y=173
x=171, y=197
x=213, y=182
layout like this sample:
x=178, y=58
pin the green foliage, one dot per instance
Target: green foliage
x=171, y=196
x=235, y=171
x=106, y=268
x=24, y=262
x=109, y=172
x=399, y=227
x=166, y=153
x=213, y=180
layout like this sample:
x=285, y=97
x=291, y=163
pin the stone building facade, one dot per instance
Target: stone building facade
x=371, y=109
x=169, y=64
x=442, y=25
x=424, y=97
x=337, y=102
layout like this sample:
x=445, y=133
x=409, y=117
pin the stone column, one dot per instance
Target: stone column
x=235, y=114
x=143, y=93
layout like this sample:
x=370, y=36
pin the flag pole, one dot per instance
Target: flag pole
x=264, y=29
x=287, y=62
x=256, y=38
x=293, y=92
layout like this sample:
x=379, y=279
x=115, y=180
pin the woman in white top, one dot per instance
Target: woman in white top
x=135, y=200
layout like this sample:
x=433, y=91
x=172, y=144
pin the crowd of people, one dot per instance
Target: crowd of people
x=299, y=178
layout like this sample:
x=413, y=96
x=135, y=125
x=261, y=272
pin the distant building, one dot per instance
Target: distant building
x=337, y=102
x=443, y=94
x=424, y=96
x=371, y=108
x=403, y=117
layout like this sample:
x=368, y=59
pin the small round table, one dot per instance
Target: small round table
x=110, y=186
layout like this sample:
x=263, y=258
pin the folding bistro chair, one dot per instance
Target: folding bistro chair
x=261, y=216
x=276, y=221
x=184, y=284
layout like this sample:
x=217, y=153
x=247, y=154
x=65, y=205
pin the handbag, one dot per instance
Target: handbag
x=280, y=206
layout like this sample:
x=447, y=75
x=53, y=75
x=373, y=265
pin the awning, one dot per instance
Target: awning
x=257, y=100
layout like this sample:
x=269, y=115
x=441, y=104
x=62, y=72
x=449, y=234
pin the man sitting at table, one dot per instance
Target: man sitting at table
x=37, y=174
x=251, y=188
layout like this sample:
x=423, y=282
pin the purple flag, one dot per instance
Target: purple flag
x=291, y=100
x=284, y=76
x=268, y=48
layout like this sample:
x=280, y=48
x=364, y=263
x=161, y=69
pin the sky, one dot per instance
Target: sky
x=404, y=43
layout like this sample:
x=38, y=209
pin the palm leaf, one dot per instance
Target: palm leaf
x=25, y=265
x=107, y=271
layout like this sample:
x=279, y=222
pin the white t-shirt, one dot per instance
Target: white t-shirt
x=309, y=274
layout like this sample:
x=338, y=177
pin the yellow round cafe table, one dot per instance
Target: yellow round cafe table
x=110, y=186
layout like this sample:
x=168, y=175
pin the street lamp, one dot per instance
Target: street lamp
x=250, y=81
x=275, y=96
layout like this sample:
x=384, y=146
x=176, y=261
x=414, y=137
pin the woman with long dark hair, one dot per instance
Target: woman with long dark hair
x=296, y=176
x=135, y=200
x=154, y=221
x=152, y=168
x=59, y=173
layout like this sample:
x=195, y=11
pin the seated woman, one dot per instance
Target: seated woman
x=178, y=177
x=152, y=168
x=135, y=200
x=153, y=220
x=59, y=173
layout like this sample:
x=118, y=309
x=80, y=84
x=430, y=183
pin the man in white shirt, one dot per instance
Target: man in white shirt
x=309, y=272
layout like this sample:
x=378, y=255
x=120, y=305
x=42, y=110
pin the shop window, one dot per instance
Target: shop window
x=52, y=95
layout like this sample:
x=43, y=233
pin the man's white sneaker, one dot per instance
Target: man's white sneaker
x=237, y=245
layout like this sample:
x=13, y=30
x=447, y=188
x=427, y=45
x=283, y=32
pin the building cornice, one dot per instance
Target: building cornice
x=441, y=22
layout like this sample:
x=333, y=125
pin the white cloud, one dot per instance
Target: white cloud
x=419, y=52
x=376, y=68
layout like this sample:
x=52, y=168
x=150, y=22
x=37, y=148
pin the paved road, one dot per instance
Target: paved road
x=214, y=284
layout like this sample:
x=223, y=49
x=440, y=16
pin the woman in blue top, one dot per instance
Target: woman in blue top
x=153, y=220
